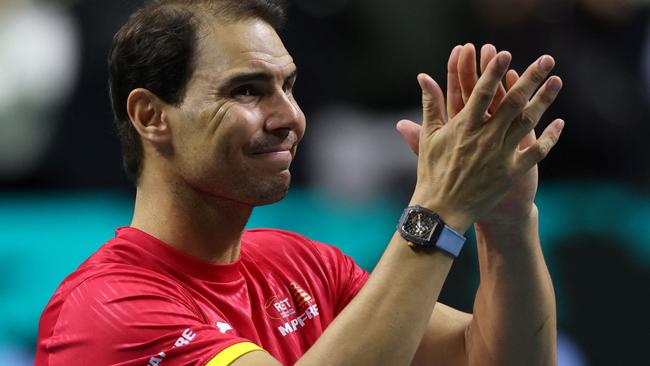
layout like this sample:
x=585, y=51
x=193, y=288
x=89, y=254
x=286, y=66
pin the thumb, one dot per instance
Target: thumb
x=410, y=132
x=433, y=104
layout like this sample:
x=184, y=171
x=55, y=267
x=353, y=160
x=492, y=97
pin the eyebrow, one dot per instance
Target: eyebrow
x=249, y=77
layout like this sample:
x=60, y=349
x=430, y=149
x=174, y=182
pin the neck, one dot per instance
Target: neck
x=202, y=226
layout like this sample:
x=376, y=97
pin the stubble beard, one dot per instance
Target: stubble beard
x=267, y=191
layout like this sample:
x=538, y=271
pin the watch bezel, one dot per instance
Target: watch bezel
x=418, y=241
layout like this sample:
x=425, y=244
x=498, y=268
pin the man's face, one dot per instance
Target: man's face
x=236, y=132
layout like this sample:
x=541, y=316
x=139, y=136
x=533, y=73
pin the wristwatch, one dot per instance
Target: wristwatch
x=423, y=228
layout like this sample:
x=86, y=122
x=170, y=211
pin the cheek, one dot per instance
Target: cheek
x=237, y=128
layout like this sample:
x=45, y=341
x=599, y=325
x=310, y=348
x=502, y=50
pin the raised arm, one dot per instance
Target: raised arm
x=514, y=311
x=465, y=167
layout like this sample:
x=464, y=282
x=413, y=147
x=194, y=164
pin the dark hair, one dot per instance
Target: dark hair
x=155, y=50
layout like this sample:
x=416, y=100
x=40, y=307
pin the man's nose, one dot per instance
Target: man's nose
x=284, y=113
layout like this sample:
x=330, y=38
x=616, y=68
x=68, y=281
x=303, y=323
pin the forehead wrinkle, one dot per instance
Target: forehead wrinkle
x=215, y=73
x=260, y=54
x=255, y=66
x=255, y=60
x=260, y=59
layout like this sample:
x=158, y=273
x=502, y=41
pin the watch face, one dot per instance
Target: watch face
x=420, y=225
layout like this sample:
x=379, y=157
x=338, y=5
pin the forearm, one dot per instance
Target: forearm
x=514, y=319
x=385, y=322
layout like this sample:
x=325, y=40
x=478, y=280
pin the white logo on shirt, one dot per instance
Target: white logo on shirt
x=223, y=327
x=184, y=339
x=300, y=321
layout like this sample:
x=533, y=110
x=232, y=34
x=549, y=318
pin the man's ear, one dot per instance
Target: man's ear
x=146, y=113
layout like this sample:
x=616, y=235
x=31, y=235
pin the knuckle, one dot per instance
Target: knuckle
x=528, y=119
x=427, y=103
x=542, y=150
x=515, y=100
x=484, y=94
x=537, y=75
x=469, y=73
x=547, y=97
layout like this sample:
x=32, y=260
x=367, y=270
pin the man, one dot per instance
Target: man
x=202, y=91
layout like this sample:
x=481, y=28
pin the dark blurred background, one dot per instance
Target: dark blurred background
x=63, y=191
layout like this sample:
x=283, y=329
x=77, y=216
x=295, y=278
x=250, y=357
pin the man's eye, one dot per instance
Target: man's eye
x=245, y=91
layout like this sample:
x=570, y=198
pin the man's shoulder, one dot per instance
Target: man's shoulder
x=120, y=279
x=119, y=267
x=93, y=287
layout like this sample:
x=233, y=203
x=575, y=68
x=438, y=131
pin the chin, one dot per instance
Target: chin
x=268, y=192
x=270, y=199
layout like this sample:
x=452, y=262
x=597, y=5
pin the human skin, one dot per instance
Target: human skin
x=514, y=321
x=228, y=147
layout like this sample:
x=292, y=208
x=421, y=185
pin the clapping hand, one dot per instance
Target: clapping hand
x=481, y=164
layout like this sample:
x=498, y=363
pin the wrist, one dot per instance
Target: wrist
x=425, y=229
x=492, y=223
x=454, y=218
x=515, y=233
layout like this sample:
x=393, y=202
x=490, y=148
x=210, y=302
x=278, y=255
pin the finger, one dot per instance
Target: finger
x=511, y=78
x=467, y=70
x=527, y=141
x=532, y=155
x=488, y=52
x=487, y=84
x=410, y=132
x=454, y=94
x=519, y=95
x=533, y=112
x=432, y=103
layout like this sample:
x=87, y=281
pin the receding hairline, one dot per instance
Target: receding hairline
x=209, y=16
x=207, y=11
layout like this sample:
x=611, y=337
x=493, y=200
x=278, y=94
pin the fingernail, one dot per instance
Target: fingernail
x=546, y=63
x=554, y=85
x=503, y=59
x=560, y=125
x=425, y=81
x=420, y=80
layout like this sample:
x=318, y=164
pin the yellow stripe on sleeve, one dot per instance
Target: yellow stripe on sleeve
x=230, y=354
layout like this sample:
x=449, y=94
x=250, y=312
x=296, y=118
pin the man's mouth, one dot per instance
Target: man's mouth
x=275, y=146
x=284, y=148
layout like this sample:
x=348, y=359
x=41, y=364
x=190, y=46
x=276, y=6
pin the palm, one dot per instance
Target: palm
x=518, y=201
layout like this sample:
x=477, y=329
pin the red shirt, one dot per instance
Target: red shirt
x=138, y=301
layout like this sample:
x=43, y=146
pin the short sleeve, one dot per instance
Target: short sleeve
x=349, y=277
x=137, y=319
